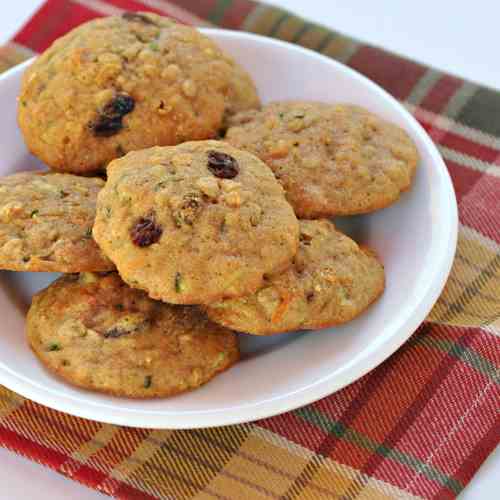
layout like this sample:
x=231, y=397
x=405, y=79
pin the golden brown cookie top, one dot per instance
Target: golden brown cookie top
x=46, y=223
x=123, y=83
x=98, y=333
x=332, y=159
x=331, y=281
x=194, y=223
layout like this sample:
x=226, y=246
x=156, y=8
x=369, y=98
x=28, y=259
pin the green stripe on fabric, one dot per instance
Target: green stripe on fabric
x=339, y=430
x=326, y=40
x=302, y=31
x=217, y=13
x=276, y=26
x=472, y=358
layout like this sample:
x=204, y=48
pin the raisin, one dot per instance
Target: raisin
x=148, y=379
x=106, y=127
x=119, y=106
x=145, y=232
x=310, y=296
x=109, y=121
x=222, y=165
x=138, y=18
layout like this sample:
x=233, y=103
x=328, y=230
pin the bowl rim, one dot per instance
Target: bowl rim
x=375, y=354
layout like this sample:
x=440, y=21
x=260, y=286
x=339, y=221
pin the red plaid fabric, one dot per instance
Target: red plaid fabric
x=419, y=425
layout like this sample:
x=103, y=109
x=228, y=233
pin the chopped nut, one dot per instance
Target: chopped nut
x=103, y=97
x=208, y=186
x=227, y=185
x=87, y=278
x=218, y=361
x=181, y=160
x=189, y=88
x=10, y=209
x=233, y=199
x=171, y=72
x=195, y=377
x=109, y=58
x=188, y=210
x=311, y=162
x=295, y=125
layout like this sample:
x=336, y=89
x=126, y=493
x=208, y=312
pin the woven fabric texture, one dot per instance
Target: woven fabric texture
x=419, y=425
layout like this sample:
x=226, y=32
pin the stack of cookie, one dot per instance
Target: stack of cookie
x=187, y=239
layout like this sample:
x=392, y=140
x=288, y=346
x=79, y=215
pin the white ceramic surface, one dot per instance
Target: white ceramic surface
x=415, y=238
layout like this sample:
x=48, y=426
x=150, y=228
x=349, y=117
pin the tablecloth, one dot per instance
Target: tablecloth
x=420, y=424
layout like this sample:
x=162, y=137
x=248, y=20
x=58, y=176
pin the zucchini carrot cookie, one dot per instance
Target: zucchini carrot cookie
x=194, y=223
x=331, y=159
x=332, y=281
x=126, y=82
x=97, y=333
x=46, y=223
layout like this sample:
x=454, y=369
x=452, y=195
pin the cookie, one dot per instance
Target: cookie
x=46, y=223
x=331, y=159
x=332, y=281
x=123, y=83
x=242, y=95
x=194, y=223
x=97, y=333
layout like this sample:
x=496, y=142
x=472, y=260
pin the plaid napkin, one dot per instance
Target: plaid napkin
x=419, y=425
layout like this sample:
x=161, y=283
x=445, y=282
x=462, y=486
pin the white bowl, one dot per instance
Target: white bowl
x=415, y=238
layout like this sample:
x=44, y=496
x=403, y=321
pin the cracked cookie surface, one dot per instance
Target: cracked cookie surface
x=331, y=159
x=97, y=333
x=194, y=223
x=46, y=223
x=123, y=83
x=332, y=280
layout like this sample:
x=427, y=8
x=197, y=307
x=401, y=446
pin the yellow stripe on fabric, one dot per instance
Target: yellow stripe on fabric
x=481, y=306
x=51, y=429
x=184, y=462
x=327, y=469
x=288, y=28
x=448, y=124
x=274, y=467
x=9, y=402
x=130, y=468
x=12, y=54
x=340, y=48
x=100, y=440
x=313, y=37
x=263, y=19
